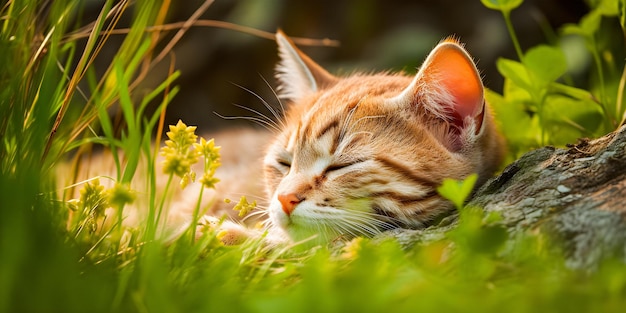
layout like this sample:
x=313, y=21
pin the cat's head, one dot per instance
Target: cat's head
x=360, y=154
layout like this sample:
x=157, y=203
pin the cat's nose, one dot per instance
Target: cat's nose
x=289, y=202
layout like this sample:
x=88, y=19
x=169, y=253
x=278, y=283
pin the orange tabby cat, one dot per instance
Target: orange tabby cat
x=361, y=154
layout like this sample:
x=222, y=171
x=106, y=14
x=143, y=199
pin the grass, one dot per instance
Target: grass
x=60, y=256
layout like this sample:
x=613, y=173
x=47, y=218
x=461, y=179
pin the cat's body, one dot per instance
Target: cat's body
x=356, y=155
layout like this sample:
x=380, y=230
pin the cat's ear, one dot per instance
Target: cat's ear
x=449, y=86
x=297, y=74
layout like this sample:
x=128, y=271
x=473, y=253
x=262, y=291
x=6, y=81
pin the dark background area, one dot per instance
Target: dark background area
x=374, y=35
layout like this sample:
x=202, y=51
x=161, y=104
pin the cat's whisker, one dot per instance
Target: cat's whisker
x=261, y=122
x=259, y=114
x=259, y=210
x=280, y=116
x=267, y=105
x=271, y=109
x=371, y=221
x=364, y=227
x=379, y=216
x=257, y=213
x=250, y=195
x=347, y=228
x=268, y=224
x=353, y=224
x=344, y=230
x=326, y=231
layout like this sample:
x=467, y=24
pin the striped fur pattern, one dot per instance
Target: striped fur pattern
x=362, y=154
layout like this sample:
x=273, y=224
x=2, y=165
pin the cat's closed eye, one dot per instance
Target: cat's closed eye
x=339, y=166
x=336, y=167
x=284, y=163
x=333, y=167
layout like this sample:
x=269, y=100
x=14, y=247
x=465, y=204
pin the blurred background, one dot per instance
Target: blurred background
x=374, y=36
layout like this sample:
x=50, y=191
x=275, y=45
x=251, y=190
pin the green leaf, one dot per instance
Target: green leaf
x=502, y=5
x=479, y=233
x=573, y=29
x=545, y=63
x=515, y=71
x=516, y=122
x=489, y=239
x=457, y=191
x=587, y=27
x=590, y=23
x=608, y=7
x=566, y=119
x=573, y=92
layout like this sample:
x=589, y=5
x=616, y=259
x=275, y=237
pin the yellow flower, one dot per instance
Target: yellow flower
x=209, y=151
x=120, y=195
x=93, y=198
x=243, y=206
x=187, y=178
x=176, y=164
x=178, y=151
x=208, y=181
x=181, y=151
x=184, y=136
x=211, y=155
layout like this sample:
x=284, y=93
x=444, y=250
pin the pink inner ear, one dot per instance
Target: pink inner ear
x=456, y=72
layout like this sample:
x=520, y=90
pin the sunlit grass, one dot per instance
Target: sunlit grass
x=70, y=256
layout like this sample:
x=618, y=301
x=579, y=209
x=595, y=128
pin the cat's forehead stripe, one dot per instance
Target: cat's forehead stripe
x=406, y=171
x=405, y=199
x=334, y=123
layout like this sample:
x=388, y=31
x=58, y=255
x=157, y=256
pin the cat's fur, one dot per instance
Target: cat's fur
x=365, y=153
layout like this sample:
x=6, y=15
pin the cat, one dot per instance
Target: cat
x=351, y=156
x=361, y=154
